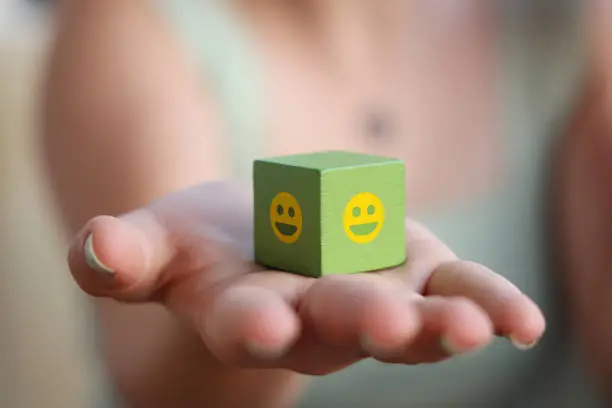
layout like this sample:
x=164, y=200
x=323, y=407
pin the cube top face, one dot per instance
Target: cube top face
x=329, y=213
x=330, y=160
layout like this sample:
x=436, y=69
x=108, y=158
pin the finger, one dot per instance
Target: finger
x=252, y=322
x=360, y=311
x=512, y=313
x=114, y=257
x=129, y=257
x=450, y=326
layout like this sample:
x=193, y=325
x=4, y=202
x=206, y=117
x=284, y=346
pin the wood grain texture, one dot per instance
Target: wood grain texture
x=331, y=212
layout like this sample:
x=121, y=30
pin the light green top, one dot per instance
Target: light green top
x=223, y=51
x=505, y=231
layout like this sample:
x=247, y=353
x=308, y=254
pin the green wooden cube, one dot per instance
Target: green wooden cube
x=326, y=213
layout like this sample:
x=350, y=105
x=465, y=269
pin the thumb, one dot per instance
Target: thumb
x=123, y=258
x=137, y=256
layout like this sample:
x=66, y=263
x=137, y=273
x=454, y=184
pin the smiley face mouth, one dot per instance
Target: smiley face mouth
x=364, y=229
x=286, y=229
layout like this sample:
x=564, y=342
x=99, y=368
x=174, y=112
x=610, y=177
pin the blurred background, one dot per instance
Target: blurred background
x=45, y=351
x=42, y=358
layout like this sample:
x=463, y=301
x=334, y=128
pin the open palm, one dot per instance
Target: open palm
x=192, y=251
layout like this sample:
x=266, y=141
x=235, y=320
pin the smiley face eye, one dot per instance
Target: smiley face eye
x=356, y=211
x=280, y=210
x=291, y=212
x=371, y=210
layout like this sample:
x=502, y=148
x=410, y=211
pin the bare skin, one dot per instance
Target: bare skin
x=584, y=196
x=143, y=146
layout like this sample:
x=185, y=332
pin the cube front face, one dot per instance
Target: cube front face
x=287, y=227
x=363, y=218
x=320, y=220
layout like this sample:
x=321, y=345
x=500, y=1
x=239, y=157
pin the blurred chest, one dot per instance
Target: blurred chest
x=430, y=100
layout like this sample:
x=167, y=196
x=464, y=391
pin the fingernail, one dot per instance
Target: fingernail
x=368, y=345
x=373, y=348
x=92, y=259
x=523, y=346
x=448, y=346
x=265, y=353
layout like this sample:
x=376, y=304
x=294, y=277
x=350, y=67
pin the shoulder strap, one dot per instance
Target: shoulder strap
x=225, y=55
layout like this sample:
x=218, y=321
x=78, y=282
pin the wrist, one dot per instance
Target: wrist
x=156, y=362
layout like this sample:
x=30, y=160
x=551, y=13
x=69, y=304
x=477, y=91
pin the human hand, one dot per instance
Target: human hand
x=192, y=252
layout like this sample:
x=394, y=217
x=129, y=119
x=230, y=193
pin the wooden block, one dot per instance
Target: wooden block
x=327, y=213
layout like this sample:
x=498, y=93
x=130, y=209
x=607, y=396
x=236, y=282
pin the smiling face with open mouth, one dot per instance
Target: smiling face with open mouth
x=286, y=218
x=363, y=219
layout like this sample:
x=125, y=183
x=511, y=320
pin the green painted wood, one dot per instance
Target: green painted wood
x=327, y=213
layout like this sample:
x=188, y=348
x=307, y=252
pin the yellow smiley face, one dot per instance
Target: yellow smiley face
x=363, y=219
x=286, y=218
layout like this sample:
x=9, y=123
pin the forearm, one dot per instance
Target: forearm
x=585, y=228
x=157, y=363
x=115, y=137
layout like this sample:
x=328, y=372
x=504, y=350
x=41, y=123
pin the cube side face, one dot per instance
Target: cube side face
x=363, y=218
x=287, y=210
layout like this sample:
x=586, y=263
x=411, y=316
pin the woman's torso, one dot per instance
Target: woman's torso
x=441, y=110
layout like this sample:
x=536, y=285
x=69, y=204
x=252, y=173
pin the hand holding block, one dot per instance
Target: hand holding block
x=326, y=213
